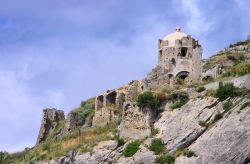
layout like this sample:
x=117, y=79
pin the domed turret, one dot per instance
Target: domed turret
x=177, y=35
x=180, y=55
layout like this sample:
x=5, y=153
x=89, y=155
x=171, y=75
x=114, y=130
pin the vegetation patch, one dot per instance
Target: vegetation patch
x=131, y=148
x=178, y=99
x=246, y=104
x=200, y=89
x=120, y=141
x=203, y=124
x=154, y=131
x=3, y=157
x=166, y=159
x=184, y=152
x=225, y=91
x=148, y=99
x=246, y=42
x=85, y=111
x=217, y=117
x=227, y=106
x=83, y=139
x=157, y=146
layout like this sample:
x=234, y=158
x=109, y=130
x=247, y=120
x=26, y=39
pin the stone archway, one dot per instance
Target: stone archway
x=182, y=75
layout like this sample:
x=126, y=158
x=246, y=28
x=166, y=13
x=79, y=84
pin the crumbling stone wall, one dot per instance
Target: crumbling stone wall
x=70, y=121
x=107, y=107
x=51, y=117
x=136, y=123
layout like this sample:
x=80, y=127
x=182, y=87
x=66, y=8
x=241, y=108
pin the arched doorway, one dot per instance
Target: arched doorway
x=182, y=75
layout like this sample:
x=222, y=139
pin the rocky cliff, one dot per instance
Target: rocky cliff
x=149, y=121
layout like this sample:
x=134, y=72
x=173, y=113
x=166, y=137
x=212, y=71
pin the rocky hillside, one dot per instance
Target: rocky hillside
x=188, y=123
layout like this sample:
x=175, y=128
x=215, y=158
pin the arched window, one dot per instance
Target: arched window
x=173, y=62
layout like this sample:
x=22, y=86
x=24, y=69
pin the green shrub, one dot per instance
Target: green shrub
x=85, y=110
x=3, y=157
x=211, y=93
x=131, y=148
x=46, y=147
x=241, y=69
x=225, y=91
x=157, y=146
x=218, y=116
x=120, y=141
x=200, y=89
x=178, y=104
x=178, y=99
x=246, y=104
x=147, y=99
x=165, y=159
x=203, y=123
x=154, y=131
x=180, y=81
x=227, y=106
x=184, y=152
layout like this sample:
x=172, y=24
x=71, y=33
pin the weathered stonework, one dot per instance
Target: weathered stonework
x=70, y=121
x=136, y=123
x=107, y=107
x=51, y=117
x=179, y=56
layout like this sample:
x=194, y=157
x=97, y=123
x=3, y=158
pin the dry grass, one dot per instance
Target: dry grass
x=83, y=139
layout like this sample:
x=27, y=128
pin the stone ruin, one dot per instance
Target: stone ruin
x=51, y=117
x=179, y=56
x=107, y=107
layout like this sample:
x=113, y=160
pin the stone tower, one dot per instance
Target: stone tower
x=180, y=55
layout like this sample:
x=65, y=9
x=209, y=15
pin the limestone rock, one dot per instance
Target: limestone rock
x=228, y=142
x=179, y=128
x=51, y=117
x=143, y=155
x=242, y=81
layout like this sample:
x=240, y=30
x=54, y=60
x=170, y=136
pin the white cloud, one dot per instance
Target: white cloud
x=196, y=20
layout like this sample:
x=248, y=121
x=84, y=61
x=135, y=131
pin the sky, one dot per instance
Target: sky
x=54, y=54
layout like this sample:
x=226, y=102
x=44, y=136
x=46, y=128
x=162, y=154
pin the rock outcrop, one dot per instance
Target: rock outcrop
x=241, y=82
x=228, y=142
x=179, y=128
x=51, y=117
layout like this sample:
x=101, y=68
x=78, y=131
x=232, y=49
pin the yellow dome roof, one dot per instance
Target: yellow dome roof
x=177, y=35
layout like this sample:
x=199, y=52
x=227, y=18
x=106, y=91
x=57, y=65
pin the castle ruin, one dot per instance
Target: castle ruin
x=179, y=57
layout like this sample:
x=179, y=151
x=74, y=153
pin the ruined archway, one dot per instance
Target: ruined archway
x=182, y=75
x=99, y=102
x=111, y=98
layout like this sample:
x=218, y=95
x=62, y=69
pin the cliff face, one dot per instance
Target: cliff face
x=190, y=123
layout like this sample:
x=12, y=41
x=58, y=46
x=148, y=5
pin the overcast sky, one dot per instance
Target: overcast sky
x=56, y=53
